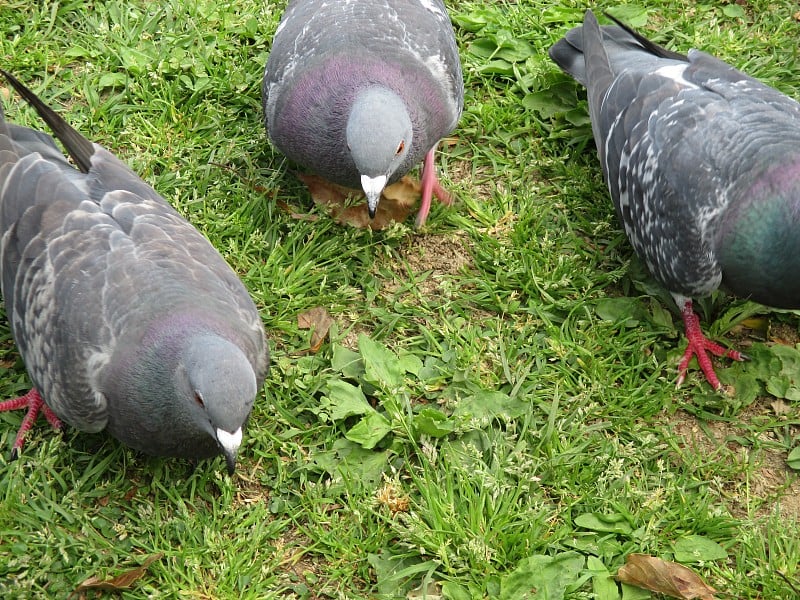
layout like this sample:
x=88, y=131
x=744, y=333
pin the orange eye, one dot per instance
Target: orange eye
x=199, y=399
x=400, y=148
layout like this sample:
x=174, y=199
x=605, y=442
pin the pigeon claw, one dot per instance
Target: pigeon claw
x=700, y=346
x=700, y=351
x=35, y=404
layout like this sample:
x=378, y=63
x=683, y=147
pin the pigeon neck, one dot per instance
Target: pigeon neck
x=186, y=373
x=759, y=239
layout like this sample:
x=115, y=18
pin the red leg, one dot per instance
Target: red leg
x=430, y=187
x=34, y=403
x=698, y=346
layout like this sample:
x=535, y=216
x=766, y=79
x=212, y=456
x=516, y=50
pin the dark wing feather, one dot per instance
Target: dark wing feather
x=79, y=148
x=89, y=258
x=678, y=137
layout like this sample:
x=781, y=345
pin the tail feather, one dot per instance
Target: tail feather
x=78, y=147
x=651, y=47
x=567, y=53
x=621, y=45
x=599, y=74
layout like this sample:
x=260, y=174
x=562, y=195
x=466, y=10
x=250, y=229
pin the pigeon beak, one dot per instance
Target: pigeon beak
x=373, y=186
x=229, y=443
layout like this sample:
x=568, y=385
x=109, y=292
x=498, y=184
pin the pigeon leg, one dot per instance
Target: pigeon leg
x=430, y=187
x=34, y=403
x=699, y=345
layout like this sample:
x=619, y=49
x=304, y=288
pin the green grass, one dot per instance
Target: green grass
x=516, y=366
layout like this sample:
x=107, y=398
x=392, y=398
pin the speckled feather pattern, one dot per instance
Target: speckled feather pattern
x=325, y=52
x=684, y=142
x=93, y=261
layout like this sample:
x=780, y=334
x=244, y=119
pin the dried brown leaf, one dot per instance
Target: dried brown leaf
x=664, y=577
x=319, y=321
x=397, y=202
x=118, y=583
x=393, y=497
x=780, y=408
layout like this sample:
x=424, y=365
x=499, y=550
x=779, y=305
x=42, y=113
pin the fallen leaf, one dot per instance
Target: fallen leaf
x=393, y=497
x=780, y=408
x=397, y=201
x=319, y=321
x=663, y=577
x=118, y=583
x=758, y=327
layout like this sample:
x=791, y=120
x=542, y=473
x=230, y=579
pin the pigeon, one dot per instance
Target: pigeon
x=703, y=164
x=360, y=91
x=127, y=318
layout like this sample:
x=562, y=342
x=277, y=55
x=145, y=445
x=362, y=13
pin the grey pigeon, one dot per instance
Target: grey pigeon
x=127, y=318
x=360, y=91
x=703, y=165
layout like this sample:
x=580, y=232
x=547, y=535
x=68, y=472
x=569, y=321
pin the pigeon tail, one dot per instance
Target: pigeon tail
x=646, y=44
x=78, y=147
x=572, y=54
x=599, y=74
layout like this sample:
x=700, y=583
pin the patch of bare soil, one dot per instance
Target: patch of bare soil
x=444, y=255
x=440, y=256
x=350, y=341
x=480, y=181
x=772, y=482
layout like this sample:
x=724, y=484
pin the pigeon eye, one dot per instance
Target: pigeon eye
x=199, y=399
x=400, y=147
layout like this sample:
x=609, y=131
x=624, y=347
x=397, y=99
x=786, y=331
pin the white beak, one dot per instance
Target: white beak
x=373, y=186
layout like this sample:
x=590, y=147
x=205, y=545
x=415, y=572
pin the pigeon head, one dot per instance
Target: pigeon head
x=379, y=136
x=198, y=382
x=219, y=381
x=759, y=239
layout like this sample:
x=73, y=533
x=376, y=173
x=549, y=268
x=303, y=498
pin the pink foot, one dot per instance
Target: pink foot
x=430, y=187
x=698, y=346
x=34, y=403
